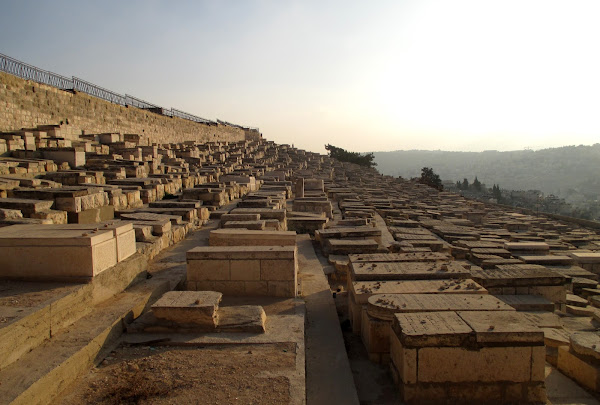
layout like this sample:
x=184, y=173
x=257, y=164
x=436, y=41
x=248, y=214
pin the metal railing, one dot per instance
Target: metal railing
x=191, y=117
x=97, y=91
x=235, y=125
x=136, y=102
x=29, y=72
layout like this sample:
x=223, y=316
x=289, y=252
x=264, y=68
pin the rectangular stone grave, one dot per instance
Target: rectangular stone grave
x=380, y=310
x=360, y=291
x=363, y=232
x=483, y=356
x=347, y=246
x=243, y=270
x=364, y=271
x=527, y=302
x=250, y=225
x=26, y=206
x=523, y=279
x=49, y=253
x=307, y=225
x=547, y=260
x=242, y=237
x=400, y=257
x=148, y=216
x=239, y=217
x=580, y=360
x=197, y=308
x=527, y=248
x=317, y=207
x=122, y=230
x=588, y=260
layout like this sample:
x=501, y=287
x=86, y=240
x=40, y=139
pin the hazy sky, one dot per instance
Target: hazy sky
x=366, y=76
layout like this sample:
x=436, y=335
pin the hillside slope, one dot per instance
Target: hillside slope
x=561, y=171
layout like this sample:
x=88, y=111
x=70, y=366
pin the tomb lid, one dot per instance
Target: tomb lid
x=586, y=344
x=362, y=290
x=527, y=302
x=585, y=257
x=502, y=327
x=383, y=306
x=516, y=277
x=398, y=257
x=429, y=329
x=407, y=271
x=543, y=319
x=526, y=246
x=556, y=337
x=48, y=235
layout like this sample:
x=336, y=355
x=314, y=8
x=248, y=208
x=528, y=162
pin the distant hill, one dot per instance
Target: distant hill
x=561, y=171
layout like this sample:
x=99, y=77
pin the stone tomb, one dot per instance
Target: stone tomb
x=243, y=270
x=407, y=271
x=360, y=291
x=250, y=225
x=399, y=257
x=123, y=232
x=357, y=232
x=45, y=252
x=527, y=279
x=580, y=360
x=527, y=248
x=198, y=308
x=347, y=246
x=243, y=237
x=486, y=356
x=527, y=302
x=198, y=311
x=305, y=223
x=380, y=310
x=314, y=205
x=266, y=214
x=588, y=260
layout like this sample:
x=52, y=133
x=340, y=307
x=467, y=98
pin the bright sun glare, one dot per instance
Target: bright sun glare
x=525, y=68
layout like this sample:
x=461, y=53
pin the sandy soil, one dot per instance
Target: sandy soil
x=243, y=374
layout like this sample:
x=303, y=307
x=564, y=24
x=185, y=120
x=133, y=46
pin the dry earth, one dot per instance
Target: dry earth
x=243, y=374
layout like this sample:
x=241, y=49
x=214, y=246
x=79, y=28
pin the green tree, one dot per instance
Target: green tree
x=465, y=184
x=366, y=160
x=476, y=184
x=431, y=179
x=497, y=193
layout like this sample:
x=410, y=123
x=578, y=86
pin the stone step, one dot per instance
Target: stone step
x=42, y=374
x=48, y=308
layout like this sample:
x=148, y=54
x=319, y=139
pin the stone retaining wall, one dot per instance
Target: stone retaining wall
x=27, y=104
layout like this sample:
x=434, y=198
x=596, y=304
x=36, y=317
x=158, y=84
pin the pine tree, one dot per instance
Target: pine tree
x=476, y=184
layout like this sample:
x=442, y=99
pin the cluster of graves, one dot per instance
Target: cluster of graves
x=462, y=300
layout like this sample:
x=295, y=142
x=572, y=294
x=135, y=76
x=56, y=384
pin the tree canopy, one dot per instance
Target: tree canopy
x=431, y=179
x=353, y=157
